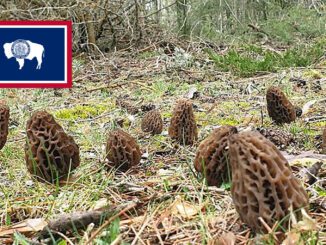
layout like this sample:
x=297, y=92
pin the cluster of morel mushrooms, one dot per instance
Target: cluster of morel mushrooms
x=263, y=185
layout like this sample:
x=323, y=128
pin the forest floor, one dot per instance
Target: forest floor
x=169, y=203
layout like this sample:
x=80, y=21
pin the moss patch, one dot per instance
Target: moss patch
x=80, y=112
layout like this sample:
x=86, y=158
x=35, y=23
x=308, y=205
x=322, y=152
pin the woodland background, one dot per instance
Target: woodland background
x=222, y=55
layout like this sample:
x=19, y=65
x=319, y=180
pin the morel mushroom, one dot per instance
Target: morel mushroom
x=262, y=181
x=280, y=138
x=152, y=122
x=122, y=150
x=130, y=108
x=147, y=107
x=212, y=158
x=4, y=121
x=279, y=107
x=50, y=153
x=183, y=126
x=323, y=146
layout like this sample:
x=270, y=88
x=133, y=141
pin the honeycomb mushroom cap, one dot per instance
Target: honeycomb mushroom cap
x=262, y=181
x=50, y=153
x=4, y=122
x=212, y=158
x=152, y=122
x=183, y=126
x=279, y=107
x=122, y=150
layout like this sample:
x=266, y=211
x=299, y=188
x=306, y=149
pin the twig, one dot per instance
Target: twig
x=315, y=119
x=157, y=232
x=106, y=223
x=117, y=240
x=140, y=231
x=76, y=220
x=270, y=230
x=63, y=236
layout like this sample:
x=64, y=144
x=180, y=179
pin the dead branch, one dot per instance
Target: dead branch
x=81, y=220
x=106, y=223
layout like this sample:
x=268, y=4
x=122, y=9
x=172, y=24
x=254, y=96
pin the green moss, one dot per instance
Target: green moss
x=166, y=114
x=244, y=104
x=313, y=74
x=228, y=121
x=319, y=124
x=81, y=112
x=148, y=173
x=308, y=131
x=227, y=105
x=321, y=192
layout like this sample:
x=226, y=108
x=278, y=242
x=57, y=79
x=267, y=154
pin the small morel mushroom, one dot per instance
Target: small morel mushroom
x=212, y=158
x=50, y=153
x=4, y=121
x=183, y=126
x=323, y=146
x=279, y=107
x=262, y=182
x=147, y=107
x=130, y=108
x=282, y=139
x=152, y=122
x=122, y=150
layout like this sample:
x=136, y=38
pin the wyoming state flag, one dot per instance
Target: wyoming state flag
x=35, y=54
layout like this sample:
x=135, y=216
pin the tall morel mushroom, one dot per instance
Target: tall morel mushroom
x=122, y=150
x=183, y=126
x=279, y=107
x=152, y=122
x=262, y=181
x=50, y=153
x=4, y=121
x=212, y=158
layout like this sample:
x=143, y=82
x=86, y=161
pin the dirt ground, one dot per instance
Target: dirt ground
x=171, y=203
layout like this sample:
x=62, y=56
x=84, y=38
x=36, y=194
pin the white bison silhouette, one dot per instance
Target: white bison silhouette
x=35, y=51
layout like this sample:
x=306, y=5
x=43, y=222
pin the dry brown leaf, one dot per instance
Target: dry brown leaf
x=135, y=220
x=216, y=220
x=184, y=209
x=101, y=203
x=292, y=238
x=226, y=239
x=306, y=107
x=29, y=225
x=306, y=161
x=306, y=224
x=306, y=154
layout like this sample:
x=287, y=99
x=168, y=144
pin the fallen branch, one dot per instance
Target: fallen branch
x=106, y=223
x=81, y=220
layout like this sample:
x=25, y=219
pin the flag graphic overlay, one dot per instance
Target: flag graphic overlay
x=35, y=54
